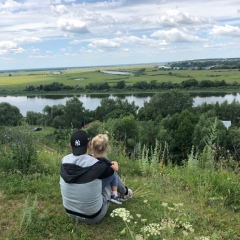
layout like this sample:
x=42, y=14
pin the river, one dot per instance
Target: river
x=92, y=101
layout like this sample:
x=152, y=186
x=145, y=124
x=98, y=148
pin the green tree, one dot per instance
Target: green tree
x=50, y=113
x=34, y=118
x=234, y=143
x=94, y=128
x=147, y=132
x=117, y=113
x=108, y=105
x=120, y=85
x=74, y=113
x=141, y=85
x=202, y=129
x=184, y=132
x=9, y=115
x=167, y=103
x=124, y=130
x=140, y=72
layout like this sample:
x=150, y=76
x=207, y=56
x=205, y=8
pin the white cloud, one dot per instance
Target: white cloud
x=10, y=5
x=41, y=56
x=177, y=36
x=126, y=43
x=144, y=41
x=72, y=25
x=122, y=29
x=215, y=45
x=226, y=31
x=118, y=33
x=75, y=41
x=28, y=39
x=174, y=17
x=104, y=43
x=56, y=1
x=69, y=1
x=9, y=47
x=59, y=9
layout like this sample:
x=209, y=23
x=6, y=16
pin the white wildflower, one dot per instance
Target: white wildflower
x=139, y=237
x=153, y=229
x=164, y=204
x=122, y=213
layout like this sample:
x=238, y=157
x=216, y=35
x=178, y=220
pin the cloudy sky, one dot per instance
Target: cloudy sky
x=72, y=33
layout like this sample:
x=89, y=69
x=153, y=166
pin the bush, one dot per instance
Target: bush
x=18, y=150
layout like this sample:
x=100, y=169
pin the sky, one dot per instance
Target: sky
x=74, y=33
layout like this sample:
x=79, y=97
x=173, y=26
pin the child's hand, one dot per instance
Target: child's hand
x=114, y=166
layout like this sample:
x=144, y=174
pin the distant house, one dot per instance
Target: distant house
x=164, y=67
x=227, y=124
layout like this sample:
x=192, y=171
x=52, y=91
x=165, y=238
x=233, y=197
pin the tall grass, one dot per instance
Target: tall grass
x=151, y=160
x=27, y=212
x=201, y=174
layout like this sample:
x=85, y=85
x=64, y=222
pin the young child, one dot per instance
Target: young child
x=99, y=147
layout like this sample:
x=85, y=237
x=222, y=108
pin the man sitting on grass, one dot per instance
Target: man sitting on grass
x=81, y=184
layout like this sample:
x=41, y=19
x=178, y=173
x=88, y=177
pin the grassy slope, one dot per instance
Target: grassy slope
x=20, y=220
x=19, y=80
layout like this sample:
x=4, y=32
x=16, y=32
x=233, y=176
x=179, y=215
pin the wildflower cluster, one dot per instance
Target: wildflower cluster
x=174, y=221
x=169, y=224
x=179, y=222
x=153, y=229
x=122, y=213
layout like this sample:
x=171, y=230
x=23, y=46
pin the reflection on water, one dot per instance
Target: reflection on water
x=97, y=95
x=92, y=101
x=211, y=94
x=51, y=96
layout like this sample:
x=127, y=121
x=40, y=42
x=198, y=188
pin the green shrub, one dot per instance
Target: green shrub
x=18, y=150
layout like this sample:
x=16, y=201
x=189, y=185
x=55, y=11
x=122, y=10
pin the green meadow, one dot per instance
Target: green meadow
x=197, y=201
x=15, y=82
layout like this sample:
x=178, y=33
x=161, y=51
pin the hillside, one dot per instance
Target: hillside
x=197, y=201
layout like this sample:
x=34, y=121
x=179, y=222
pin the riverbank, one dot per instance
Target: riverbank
x=211, y=91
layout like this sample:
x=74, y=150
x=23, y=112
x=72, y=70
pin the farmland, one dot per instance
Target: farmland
x=16, y=81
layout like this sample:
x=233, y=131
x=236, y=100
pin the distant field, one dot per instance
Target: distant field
x=17, y=81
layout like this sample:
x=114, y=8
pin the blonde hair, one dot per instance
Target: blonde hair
x=100, y=144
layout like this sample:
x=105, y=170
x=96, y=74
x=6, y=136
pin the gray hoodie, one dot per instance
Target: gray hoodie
x=81, y=185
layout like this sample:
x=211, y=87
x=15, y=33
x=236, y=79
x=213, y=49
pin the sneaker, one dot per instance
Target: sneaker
x=126, y=196
x=115, y=199
x=129, y=194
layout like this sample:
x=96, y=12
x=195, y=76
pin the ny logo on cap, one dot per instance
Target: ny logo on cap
x=77, y=143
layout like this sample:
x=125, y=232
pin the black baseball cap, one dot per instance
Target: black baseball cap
x=79, y=142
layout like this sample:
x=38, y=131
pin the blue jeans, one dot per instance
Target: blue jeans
x=112, y=181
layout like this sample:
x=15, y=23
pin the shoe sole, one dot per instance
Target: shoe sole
x=115, y=201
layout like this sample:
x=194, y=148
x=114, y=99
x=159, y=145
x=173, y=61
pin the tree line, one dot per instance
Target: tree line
x=141, y=85
x=221, y=63
x=168, y=119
